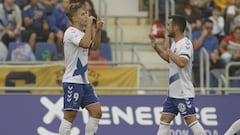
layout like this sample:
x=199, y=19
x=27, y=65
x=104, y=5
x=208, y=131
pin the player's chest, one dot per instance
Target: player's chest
x=175, y=49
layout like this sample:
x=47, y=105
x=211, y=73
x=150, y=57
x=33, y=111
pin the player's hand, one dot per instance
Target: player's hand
x=153, y=40
x=90, y=19
x=99, y=23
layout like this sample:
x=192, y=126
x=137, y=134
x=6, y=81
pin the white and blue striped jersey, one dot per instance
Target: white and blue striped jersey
x=180, y=84
x=76, y=57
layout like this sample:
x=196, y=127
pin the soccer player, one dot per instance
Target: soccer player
x=181, y=91
x=77, y=40
x=234, y=128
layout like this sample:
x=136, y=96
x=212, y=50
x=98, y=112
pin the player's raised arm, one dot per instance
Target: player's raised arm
x=180, y=61
x=78, y=91
x=162, y=53
x=86, y=40
x=97, y=37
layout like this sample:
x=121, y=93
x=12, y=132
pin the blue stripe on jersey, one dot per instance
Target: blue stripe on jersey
x=81, y=70
x=186, y=55
x=174, y=78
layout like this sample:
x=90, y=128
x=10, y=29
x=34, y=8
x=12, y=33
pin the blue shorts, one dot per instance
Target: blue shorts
x=183, y=106
x=76, y=95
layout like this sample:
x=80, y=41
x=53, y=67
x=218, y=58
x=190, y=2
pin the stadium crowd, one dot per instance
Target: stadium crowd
x=30, y=22
x=215, y=26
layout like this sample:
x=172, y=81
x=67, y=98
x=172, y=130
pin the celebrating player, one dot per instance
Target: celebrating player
x=181, y=91
x=77, y=91
x=234, y=128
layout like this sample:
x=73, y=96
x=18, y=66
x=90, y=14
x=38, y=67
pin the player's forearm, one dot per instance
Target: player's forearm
x=197, y=43
x=180, y=61
x=85, y=42
x=162, y=54
x=97, y=40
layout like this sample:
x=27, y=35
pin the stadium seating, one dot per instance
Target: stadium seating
x=106, y=51
x=43, y=49
x=12, y=46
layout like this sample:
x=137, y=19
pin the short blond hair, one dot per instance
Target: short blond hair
x=72, y=10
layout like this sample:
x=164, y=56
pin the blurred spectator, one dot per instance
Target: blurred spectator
x=232, y=16
x=22, y=3
x=12, y=13
x=58, y=23
x=197, y=3
x=227, y=50
x=230, y=49
x=204, y=38
x=36, y=24
x=201, y=3
x=3, y=52
x=4, y=27
x=223, y=4
x=218, y=23
x=94, y=55
x=49, y=5
x=191, y=12
x=23, y=53
x=73, y=1
x=205, y=6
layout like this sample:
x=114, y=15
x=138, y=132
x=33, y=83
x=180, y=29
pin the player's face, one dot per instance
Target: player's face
x=81, y=16
x=170, y=28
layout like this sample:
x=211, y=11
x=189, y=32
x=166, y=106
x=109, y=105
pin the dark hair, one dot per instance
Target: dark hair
x=92, y=12
x=179, y=21
x=72, y=9
x=207, y=21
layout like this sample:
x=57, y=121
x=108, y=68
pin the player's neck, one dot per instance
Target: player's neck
x=81, y=28
x=178, y=37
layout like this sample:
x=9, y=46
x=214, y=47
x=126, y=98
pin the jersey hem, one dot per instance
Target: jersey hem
x=169, y=113
x=181, y=97
x=72, y=109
